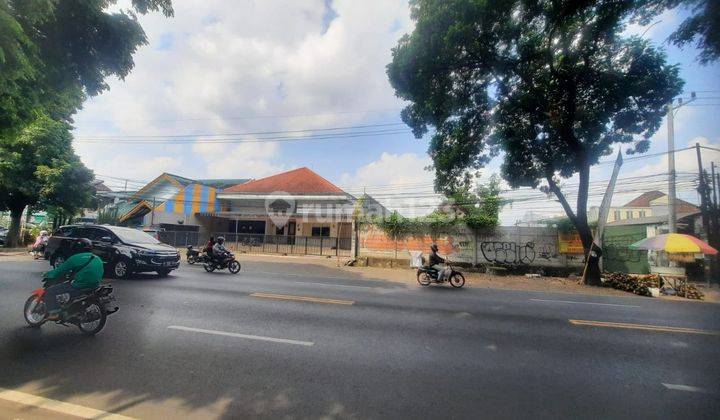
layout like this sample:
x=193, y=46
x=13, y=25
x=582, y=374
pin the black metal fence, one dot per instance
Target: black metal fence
x=254, y=243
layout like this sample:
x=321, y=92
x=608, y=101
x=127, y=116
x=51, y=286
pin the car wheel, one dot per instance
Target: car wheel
x=163, y=272
x=121, y=269
x=57, y=261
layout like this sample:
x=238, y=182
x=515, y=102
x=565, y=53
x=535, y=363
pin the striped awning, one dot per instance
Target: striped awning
x=195, y=198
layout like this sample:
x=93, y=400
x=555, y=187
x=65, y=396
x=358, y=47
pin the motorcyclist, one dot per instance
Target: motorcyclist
x=436, y=262
x=209, y=246
x=220, y=253
x=40, y=243
x=85, y=271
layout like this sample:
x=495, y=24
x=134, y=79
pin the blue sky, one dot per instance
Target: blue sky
x=229, y=67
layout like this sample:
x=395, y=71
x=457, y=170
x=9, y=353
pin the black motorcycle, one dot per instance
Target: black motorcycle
x=428, y=275
x=88, y=311
x=194, y=256
x=222, y=262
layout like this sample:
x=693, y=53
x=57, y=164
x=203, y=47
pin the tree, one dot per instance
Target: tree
x=54, y=54
x=39, y=168
x=550, y=83
x=702, y=26
x=480, y=211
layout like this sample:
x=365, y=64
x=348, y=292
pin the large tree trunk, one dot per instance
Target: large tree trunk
x=13, y=236
x=579, y=220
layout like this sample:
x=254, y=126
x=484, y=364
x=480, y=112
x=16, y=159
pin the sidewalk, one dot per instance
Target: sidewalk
x=13, y=252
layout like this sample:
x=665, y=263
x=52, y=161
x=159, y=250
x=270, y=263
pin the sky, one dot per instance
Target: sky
x=247, y=66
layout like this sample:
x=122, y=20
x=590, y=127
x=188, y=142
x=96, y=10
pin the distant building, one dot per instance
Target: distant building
x=649, y=204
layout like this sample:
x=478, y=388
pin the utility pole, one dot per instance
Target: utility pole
x=710, y=266
x=152, y=214
x=712, y=170
x=672, y=208
x=672, y=216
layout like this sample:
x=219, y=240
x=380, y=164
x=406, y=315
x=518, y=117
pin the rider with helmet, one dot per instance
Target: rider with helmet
x=40, y=243
x=220, y=253
x=84, y=270
x=436, y=262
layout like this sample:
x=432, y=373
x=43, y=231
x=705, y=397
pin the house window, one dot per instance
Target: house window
x=617, y=215
x=280, y=230
x=642, y=214
x=321, y=231
x=628, y=214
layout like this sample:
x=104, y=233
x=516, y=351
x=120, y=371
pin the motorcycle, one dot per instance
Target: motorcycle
x=428, y=275
x=227, y=261
x=194, y=256
x=37, y=251
x=88, y=311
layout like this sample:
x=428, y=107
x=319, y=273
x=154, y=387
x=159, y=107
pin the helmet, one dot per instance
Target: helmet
x=220, y=240
x=434, y=248
x=82, y=245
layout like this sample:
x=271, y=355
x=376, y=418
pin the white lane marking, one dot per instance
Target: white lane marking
x=247, y=336
x=687, y=388
x=299, y=275
x=58, y=406
x=584, y=303
x=335, y=285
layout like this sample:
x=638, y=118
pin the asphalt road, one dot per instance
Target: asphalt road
x=197, y=345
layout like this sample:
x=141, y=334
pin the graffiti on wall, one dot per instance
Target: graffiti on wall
x=508, y=252
x=513, y=253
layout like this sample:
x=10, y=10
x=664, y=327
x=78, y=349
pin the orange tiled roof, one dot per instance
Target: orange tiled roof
x=644, y=199
x=297, y=181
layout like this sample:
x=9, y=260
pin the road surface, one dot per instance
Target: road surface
x=271, y=342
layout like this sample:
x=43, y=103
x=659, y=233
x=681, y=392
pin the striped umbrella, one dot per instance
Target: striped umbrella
x=675, y=243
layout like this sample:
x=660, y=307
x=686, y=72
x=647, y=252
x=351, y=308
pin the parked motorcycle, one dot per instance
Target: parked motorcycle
x=88, y=311
x=428, y=275
x=194, y=256
x=221, y=263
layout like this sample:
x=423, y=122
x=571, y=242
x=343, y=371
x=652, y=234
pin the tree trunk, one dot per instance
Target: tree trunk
x=579, y=220
x=13, y=235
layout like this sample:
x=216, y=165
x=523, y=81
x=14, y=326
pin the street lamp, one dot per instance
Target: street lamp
x=672, y=215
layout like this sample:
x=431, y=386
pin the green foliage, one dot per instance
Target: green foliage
x=40, y=167
x=480, y=211
x=395, y=226
x=702, y=26
x=461, y=209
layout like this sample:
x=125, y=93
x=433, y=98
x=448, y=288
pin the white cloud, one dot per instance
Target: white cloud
x=398, y=181
x=246, y=159
x=216, y=65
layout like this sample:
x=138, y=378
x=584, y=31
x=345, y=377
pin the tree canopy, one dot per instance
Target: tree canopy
x=53, y=55
x=551, y=84
x=702, y=27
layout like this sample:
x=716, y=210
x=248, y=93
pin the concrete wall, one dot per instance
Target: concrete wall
x=511, y=245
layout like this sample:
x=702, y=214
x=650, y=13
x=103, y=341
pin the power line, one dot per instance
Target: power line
x=356, y=134
x=253, y=117
x=255, y=133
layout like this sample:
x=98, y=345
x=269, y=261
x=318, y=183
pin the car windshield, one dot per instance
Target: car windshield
x=133, y=236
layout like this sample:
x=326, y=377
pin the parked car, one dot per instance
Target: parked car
x=123, y=250
x=3, y=235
